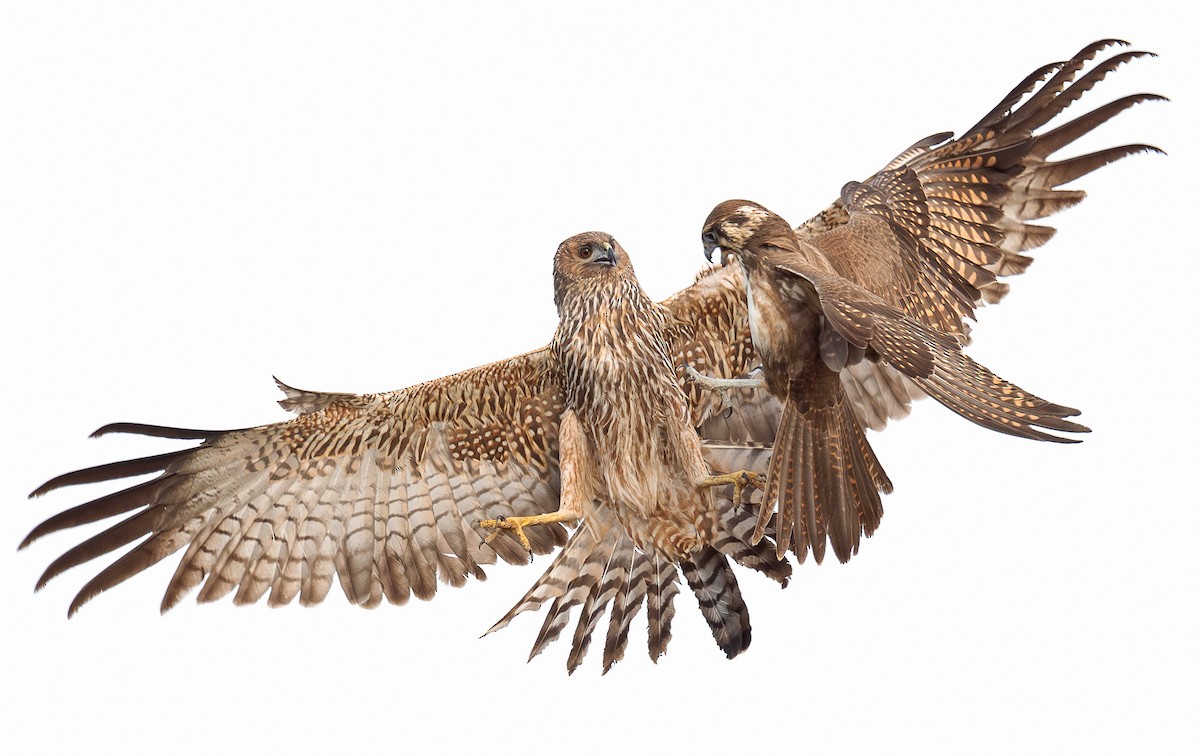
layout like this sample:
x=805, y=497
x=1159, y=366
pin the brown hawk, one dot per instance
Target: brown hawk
x=384, y=493
x=808, y=324
x=881, y=283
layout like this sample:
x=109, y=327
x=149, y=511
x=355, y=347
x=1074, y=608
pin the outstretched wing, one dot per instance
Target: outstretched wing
x=855, y=322
x=932, y=231
x=381, y=490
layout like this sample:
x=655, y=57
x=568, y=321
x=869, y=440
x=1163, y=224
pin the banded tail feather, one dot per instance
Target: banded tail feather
x=824, y=480
x=601, y=571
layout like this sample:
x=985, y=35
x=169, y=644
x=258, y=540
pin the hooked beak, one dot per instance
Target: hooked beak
x=710, y=245
x=609, y=255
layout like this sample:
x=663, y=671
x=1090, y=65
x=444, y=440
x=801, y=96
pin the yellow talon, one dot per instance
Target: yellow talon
x=500, y=524
x=518, y=525
x=740, y=480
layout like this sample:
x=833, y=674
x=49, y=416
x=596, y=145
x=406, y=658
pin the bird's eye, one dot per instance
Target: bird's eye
x=709, y=237
x=585, y=251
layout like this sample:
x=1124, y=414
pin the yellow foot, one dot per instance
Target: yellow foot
x=740, y=480
x=518, y=525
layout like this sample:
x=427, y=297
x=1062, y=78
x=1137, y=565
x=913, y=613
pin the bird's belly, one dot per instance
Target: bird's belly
x=785, y=333
x=769, y=325
x=649, y=478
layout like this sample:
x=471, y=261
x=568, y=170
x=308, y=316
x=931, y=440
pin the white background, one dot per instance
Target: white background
x=195, y=197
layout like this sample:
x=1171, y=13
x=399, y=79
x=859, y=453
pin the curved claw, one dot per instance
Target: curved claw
x=695, y=376
x=723, y=385
x=741, y=480
x=517, y=525
x=502, y=523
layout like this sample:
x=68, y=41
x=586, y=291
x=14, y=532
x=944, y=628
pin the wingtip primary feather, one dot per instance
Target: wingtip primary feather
x=111, y=471
x=157, y=431
x=80, y=599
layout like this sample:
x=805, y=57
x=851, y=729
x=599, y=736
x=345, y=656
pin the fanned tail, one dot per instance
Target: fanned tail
x=739, y=541
x=662, y=587
x=824, y=478
x=602, y=572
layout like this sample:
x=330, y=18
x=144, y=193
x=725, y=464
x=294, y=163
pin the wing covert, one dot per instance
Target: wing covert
x=380, y=491
x=932, y=231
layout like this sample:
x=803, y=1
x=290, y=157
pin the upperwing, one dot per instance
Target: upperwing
x=381, y=490
x=856, y=321
x=933, y=230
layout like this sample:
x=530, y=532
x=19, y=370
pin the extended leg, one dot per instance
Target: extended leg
x=575, y=477
x=723, y=385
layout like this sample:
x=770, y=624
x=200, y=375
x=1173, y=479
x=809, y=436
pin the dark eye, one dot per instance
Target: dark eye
x=585, y=251
x=709, y=237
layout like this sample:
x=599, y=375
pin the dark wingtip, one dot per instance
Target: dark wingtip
x=33, y=536
x=78, y=603
x=1140, y=149
x=1099, y=45
x=157, y=431
x=1065, y=426
x=46, y=577
x=112, y=471
x=42, y=489
x=1077, y=429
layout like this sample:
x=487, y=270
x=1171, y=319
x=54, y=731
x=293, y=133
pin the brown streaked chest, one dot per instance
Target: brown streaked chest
x=616, y=366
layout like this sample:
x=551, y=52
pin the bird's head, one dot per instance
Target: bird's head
x=593, y=259
x=732, y=224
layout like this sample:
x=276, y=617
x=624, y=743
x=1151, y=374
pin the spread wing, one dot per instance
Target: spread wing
x=933, y=230
x=381, y=490
x=855, y=320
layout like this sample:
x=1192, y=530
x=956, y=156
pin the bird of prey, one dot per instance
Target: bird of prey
x=808, y=324
x=392, y=493
x=389, y=494
x=883, y=281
